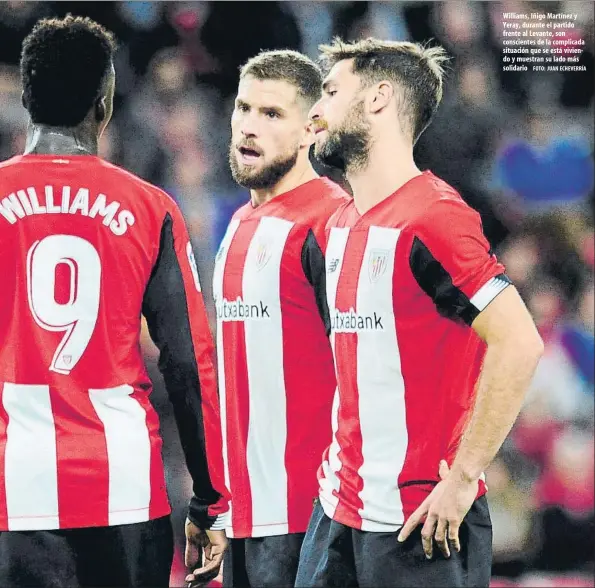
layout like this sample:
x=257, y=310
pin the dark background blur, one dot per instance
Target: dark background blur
x=518, y=146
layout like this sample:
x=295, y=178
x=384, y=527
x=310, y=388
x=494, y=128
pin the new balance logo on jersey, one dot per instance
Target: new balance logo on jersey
x=238, y=310
x=351, y=322
x=333, y=265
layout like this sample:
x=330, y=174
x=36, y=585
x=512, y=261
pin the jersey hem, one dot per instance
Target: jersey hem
x=267, y=530
x=364, y=524
x=375, y=526
x=52, y=522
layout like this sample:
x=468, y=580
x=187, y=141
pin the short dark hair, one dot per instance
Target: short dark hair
x=417, y=69
x=288, y=66
x=64, y=63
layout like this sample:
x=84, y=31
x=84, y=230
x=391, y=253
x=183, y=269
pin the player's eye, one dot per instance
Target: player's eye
x=331, y=92
x=272, y=114
x=242, y=107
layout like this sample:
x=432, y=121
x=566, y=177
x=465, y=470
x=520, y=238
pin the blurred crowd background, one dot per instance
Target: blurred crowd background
x=518, y=146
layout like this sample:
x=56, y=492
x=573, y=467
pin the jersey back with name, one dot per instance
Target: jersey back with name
x=79, y=442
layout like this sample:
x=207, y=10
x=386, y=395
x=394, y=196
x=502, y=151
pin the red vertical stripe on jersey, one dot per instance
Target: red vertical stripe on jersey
x=292, y=392
x=348, y=415
x=3, y=426
x=80, y=441
x=420, y=417
x=417, y=415
x=158, y=502
x=236, y=384
x=301, y=489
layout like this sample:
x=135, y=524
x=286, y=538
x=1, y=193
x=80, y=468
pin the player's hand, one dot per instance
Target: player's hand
x=204, y=549
x=444, y=510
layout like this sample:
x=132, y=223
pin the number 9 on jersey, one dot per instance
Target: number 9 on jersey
x=78, y=315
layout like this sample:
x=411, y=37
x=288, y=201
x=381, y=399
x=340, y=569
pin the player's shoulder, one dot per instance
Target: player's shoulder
x=330, y=195
x=445, y=217
x=331, y=190
x=242, y=211
x=324, y=198
x=11, y=162
x=127, y=176
x=156, y=198
x=341, y=215
x=442, y=205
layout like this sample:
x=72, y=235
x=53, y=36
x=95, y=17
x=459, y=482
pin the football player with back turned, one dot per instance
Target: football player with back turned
x=87, y=248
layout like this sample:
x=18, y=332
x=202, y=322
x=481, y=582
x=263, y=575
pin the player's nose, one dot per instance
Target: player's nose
x=249, y=127
x=248, y=131
x=315, y=112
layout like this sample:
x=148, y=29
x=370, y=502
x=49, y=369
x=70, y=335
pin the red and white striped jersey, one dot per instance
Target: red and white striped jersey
x=404, y=283
x=276, y=374
x=86, y=248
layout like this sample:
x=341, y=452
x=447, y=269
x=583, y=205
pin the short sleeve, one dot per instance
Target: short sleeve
x=452, y=261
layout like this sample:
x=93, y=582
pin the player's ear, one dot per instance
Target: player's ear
x=24, y=100
x=380, y=96
x=100, y=109
x=307, y=135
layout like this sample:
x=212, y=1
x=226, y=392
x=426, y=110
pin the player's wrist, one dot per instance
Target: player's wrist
x=464, y=474
x=198, y=514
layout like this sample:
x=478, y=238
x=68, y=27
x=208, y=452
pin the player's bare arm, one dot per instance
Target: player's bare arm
x=513, y=351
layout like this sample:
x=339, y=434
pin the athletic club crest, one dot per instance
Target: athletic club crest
x=377, y=264
x=263, y=254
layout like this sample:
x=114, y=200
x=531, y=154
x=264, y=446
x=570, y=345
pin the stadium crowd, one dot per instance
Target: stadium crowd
x=177, y=70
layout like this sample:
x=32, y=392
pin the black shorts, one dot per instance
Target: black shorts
x=336, y=555
x=139, y=554
x=262, y=561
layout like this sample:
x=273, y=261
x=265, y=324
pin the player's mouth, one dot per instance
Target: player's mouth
x=248, y=155
x=321, y=127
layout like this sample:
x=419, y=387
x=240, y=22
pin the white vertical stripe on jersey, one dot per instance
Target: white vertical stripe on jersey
x=30, y=468
x=128, y=453
x=265, y=453
x=380, y=385
x=335, y=253
x=329, y=483
x=218, y=274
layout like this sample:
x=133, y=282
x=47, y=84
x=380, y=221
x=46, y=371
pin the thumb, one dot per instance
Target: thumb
x=443, y=470
x=190, y=554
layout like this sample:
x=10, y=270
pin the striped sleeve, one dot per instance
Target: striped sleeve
x=452, y=262
x=176, y=316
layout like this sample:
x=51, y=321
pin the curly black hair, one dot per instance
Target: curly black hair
x=64, y=63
